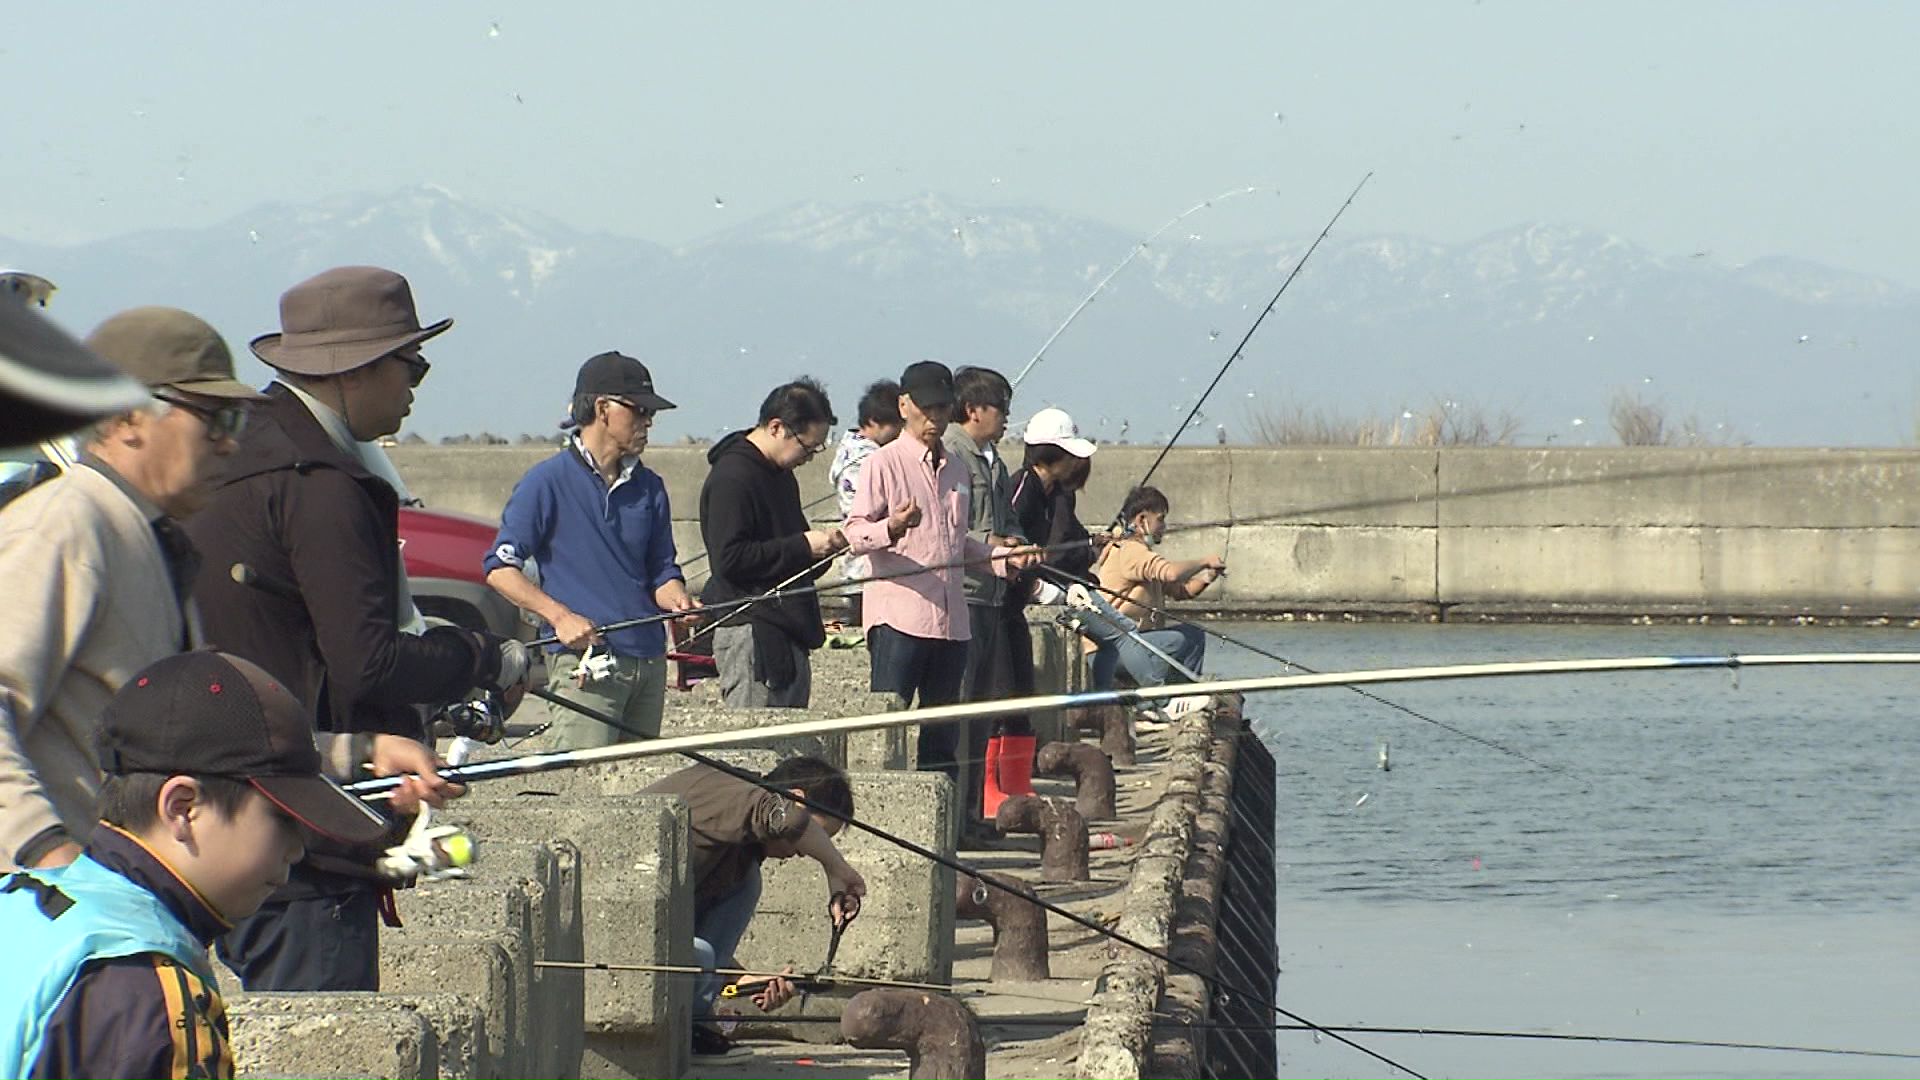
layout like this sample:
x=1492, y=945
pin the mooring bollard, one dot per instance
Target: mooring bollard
x=1062, y=832
x=1092, y=773
x=1114, y=725
x=1019, y=925
x=939, y=1034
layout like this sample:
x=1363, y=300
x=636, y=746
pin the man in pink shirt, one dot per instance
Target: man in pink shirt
x=910, y=514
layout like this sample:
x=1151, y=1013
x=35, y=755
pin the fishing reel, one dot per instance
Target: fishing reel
x=429, y=853
x=482, y=718
x=593, y=667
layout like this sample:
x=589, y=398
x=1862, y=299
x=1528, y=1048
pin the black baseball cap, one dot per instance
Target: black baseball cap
x=619, y=376
x=215, y=714
x=928, y=383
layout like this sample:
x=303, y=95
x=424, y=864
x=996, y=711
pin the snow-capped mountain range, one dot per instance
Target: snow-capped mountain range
x=1548, y=321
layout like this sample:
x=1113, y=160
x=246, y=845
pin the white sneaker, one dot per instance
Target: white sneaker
x=1191, y=703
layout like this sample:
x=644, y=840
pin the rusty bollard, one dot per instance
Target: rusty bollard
x=1092, y=773
x=1062, y=831
x=1019, y=925
x=1114, y=725
x=940, y=1036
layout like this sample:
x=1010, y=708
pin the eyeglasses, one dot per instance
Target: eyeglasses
x=812, y=449
x=417, y=368
x=223, y=421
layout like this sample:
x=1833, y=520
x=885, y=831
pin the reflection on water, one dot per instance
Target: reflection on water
x=1710, y=857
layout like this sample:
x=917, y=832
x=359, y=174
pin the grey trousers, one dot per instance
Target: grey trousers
x=635, y=692
x=733, y=655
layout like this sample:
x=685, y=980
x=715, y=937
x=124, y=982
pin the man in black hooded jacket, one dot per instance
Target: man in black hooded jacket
x=758, y=539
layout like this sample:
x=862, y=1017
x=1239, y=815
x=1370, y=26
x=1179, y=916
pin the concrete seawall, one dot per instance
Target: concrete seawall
x=1458, y=534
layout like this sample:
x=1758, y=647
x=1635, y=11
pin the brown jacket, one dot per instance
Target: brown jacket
x=88, y=603
x=732, y=821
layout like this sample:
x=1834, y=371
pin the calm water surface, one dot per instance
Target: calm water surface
x=1707, y=858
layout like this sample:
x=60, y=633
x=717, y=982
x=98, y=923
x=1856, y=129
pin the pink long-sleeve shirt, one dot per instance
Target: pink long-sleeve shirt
x=932, y=604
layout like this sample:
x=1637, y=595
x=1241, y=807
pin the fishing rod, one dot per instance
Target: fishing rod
x=939, y=714
x=1270, y=655
x=676, y=745
x=1122, y=265
x=246, y=576
x=1471, y=1033
x=1237, y=350
x=818, y=565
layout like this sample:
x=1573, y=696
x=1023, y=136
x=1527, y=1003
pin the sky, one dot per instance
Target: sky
x=1737, y=129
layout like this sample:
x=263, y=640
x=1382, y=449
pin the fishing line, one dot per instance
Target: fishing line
x=1472, y=1033
x=1264, y=312
x=1122, y=265
x=1257, y=650
x=817, y=983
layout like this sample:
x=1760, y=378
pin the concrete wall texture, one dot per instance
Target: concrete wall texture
x=1454, y=533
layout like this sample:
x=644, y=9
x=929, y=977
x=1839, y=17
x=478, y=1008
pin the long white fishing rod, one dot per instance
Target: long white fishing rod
x=718, y=740
x=1122, y=265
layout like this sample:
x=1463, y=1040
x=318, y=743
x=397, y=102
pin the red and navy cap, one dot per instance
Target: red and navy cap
x=215, y=714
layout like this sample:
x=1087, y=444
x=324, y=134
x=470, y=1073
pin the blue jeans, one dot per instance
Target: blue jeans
x=1114, y=635
x=717, y=929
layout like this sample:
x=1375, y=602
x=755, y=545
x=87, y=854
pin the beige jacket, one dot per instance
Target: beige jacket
x=87, y=602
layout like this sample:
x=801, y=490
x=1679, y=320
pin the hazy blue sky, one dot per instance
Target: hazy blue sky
x=1739, y=129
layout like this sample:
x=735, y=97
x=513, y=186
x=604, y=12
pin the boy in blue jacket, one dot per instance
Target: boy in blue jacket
x=212, y=786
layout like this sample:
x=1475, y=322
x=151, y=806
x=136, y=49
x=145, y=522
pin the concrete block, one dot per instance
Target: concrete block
x=695, y=717
x=1313, y=563
x=358, y=1035
x=636, y=907
x=1373, y=486
x=479, y=967
x=497, y=911
x=905, y=928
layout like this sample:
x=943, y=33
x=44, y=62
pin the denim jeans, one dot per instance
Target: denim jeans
x=1119, y=647
x=717, y=929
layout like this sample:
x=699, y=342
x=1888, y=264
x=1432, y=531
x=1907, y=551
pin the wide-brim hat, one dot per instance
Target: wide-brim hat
x=342, y=319
x=51, y=384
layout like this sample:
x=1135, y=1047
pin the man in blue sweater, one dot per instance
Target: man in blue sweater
x=597, y=523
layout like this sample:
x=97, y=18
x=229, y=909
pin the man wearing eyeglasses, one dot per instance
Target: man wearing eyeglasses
x=597, y=524
x=758, y=536
x=97, y=571
x=305, y=508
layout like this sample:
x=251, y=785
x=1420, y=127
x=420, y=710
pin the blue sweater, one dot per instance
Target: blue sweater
x=602, y=550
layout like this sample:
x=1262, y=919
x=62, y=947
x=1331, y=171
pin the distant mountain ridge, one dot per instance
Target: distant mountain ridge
x=1548, y=320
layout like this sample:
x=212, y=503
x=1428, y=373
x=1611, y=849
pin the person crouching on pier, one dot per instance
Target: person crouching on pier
x=757, y=534
x=911, y=515
x=735, y=826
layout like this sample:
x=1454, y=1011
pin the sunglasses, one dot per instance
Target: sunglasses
x=223, y=421
x=641, y=413
x=417, y=368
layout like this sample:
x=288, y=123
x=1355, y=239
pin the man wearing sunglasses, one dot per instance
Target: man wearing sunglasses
x=598, y=525
x=98, y=569
x=305, y=507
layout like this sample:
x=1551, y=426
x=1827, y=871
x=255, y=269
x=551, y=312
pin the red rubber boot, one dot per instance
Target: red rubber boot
x=1016, y=765
x=992, y=795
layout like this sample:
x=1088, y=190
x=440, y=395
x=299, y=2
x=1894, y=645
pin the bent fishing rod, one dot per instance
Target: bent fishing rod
x=1262, y=317
x=371, y=789
x=1164, y=613
x=1122, y=265
x=940, y=714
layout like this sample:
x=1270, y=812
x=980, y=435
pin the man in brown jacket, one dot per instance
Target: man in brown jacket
x=320, y=532
x=98, y=570
x=735, y=825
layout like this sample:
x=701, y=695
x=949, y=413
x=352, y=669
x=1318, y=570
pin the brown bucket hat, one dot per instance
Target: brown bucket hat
x=342, y=319
x=163, y=346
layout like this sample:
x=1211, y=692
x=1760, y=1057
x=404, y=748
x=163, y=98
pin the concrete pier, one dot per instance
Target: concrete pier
x=578, y=866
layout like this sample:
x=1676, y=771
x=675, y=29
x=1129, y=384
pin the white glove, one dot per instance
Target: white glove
x=1046, y=592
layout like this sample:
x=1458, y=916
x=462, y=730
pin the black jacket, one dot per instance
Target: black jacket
x=755, y=531
x=303, y=513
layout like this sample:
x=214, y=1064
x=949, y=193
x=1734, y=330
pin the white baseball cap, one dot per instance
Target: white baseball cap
x=1053, y=427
